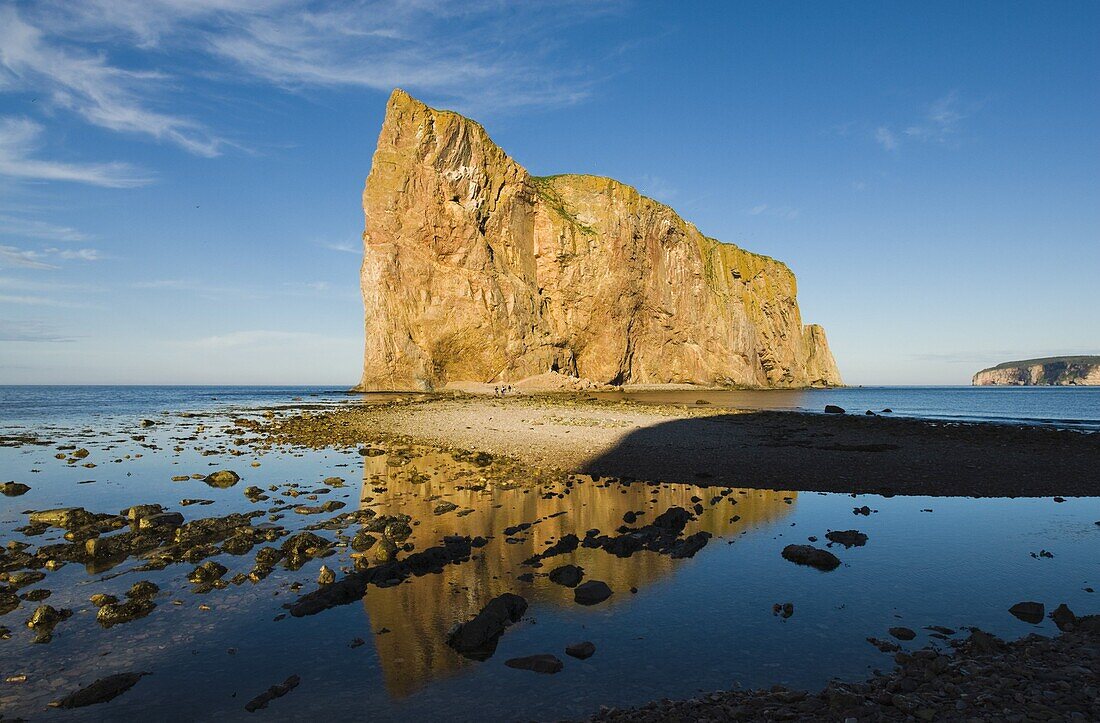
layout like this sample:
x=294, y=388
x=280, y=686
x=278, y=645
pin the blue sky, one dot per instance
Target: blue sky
x=180, y=180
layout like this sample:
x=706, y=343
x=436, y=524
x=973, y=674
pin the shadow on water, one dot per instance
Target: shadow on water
x=419, y=614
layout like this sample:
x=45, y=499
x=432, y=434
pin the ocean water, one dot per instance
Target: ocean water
x=673, y=627
x=1062, y=407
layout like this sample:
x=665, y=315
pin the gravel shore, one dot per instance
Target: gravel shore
x=983, y=679
x=772, y=450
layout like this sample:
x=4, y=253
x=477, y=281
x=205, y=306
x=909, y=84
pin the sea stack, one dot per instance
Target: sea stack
x=1061, y=371
x=476, y=271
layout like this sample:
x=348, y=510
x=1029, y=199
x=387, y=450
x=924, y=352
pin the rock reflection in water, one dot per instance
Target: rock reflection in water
x=419, y=613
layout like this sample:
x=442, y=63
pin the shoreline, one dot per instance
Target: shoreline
x=704, y=446
x=983, y=678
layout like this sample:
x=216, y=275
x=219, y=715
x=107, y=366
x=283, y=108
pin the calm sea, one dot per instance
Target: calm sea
x=672, y=627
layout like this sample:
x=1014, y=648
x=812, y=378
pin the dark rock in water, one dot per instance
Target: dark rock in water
x=222, y=479
x=114, y=614
x=567, y=543
x=207, y=572
x=477, y=638
x=101, y=599
x=582, y=651
x=869, y=413
x=784, y=610
x=1029, y=612
x=812, y=556
x=630, y=517
x=526, y=577
x=1064, y=618
x=325, y=576
x=13, y=489
x=142, y=590
x=542, y=663
x=865, y=511
x=902, y=633
x=689, y=545
x=848, y=538
x=833, y=409
x=275, y=691
x=567, y=575
x=101, y=691
x=351, y=588
x=44, y=619
x=444, y=507
x=66, y=518
x=887, y=411
x=884, y=645
x=592, y=592
x=662, y=535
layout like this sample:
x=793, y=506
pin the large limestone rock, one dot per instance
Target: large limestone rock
x=1051, y=371
x=474, y=270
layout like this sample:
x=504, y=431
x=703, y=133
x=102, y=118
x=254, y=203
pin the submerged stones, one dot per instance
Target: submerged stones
x=661, y=536
x=542, y=663
x=13, y=489
x=812, y=556
x=222, y=479
x=44, y=619
x=139, y=604
x=848, y=538
x=1029, y=612
x=275, y=691
x=567, y=575
x=100, y=691
x=477, y=638
x=592, y=592
x=902, y=633
x=581, y=651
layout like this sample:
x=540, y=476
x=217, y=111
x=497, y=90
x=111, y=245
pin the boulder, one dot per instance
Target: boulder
x=592, y=592
x=811, y=556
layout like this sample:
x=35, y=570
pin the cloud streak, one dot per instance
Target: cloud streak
x=18, y=142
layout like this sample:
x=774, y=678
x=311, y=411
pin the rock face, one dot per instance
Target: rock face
x=1052, y=371
x=475, y=270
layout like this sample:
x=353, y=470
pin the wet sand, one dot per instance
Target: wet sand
x=707, y=446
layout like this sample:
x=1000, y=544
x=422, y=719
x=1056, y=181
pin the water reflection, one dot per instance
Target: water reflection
x=419, y=613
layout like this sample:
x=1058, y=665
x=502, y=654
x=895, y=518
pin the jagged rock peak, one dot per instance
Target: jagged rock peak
x=476, y=271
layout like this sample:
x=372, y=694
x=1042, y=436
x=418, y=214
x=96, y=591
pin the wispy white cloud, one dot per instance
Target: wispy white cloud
x=38, y=301
x=344, y=248
x=86, y=83
x=30, y=331
x=33, y=228
x=886, y=138
x=19, y=141
x=764, y=209
x=41, y=258
x=26, y=258
x=940, y=123
x=265, y=338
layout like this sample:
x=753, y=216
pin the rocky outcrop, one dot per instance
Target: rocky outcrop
x=474, y=270
x=1051, y=371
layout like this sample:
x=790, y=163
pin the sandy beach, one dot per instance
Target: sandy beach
x=706, y=446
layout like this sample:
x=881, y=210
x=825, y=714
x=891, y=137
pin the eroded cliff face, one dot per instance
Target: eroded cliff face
x=474, y=270
x=1053, y=371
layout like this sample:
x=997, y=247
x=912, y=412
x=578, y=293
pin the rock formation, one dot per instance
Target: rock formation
x=476, y=271
x=1051, y=371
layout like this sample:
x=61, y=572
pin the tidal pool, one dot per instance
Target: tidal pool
x=672, y=628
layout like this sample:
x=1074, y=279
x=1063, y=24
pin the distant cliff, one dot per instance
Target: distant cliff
x=474, y=270
x=1052, y=371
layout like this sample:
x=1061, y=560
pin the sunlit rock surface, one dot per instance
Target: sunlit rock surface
x=476, y=271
